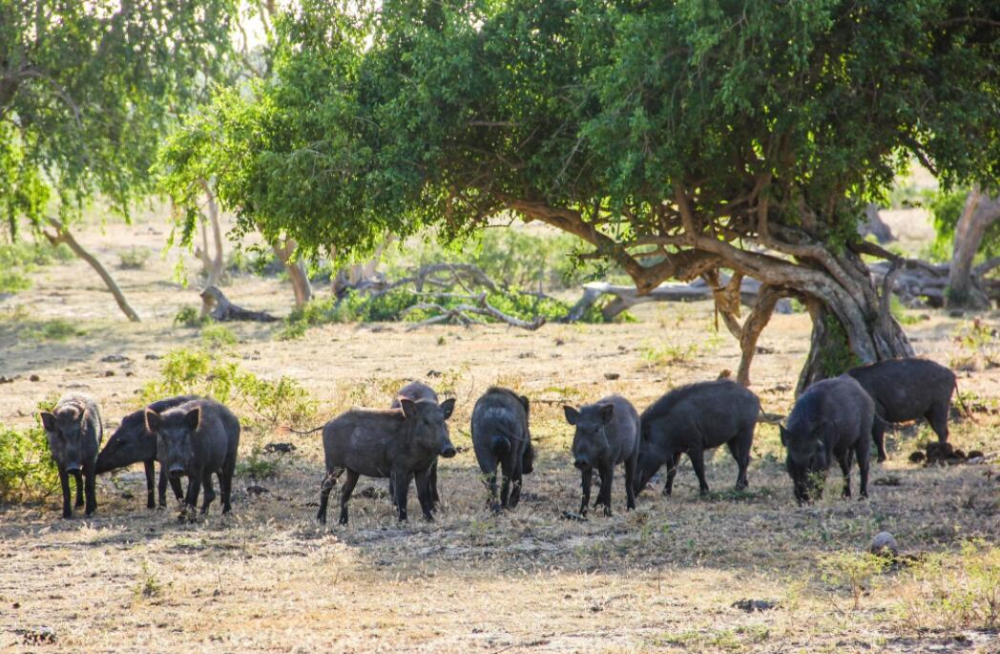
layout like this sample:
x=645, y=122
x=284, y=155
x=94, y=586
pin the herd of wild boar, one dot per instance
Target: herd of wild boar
x=833, y=420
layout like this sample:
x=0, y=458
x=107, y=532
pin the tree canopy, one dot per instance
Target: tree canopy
x=677, y=138
x=87, y=89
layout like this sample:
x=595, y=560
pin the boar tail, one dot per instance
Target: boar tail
x=500, y=445
x=306, y=433
x=961, y=402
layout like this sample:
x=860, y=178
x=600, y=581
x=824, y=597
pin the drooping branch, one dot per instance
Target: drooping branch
x=755, y=323
x=63, y=235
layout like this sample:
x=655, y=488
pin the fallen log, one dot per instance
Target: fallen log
x=922, y=282
x=460, y=313
x=626, y=297
x=222, y=310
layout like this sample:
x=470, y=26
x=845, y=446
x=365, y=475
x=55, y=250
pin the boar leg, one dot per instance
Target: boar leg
x=864, y=454
x=435, y=498
x=604, y=497
x=206, y=480
x=345, y=494
x=697, y=456
x=937, y=416
x=668, y=487
x=329, y=481
x=90, y=483
x=226, y=484
x=401, y=484
x=587, y=478
x=490, y=481
x=150, y=468
x=78, y=476
x=845, y=461
x=515, y=476
x=424, y=494
x=505, y=483
x=740, y=449
x=878, y=435
x=64, y=481
x=630, y=464
x=191, y=501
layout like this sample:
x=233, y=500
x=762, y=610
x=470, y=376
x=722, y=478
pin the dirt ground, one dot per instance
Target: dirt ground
x=662, y=578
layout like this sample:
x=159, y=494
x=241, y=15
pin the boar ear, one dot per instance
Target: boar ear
x=153, y=421
x=192, y=419
x=408, y=406
x=448, y=406
x=524, y=402
x=607, y=412
x=784, y=435
x=48, y=420
x=572, y=415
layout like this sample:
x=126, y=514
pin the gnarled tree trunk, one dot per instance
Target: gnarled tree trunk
x=296, y=271
x=964, y=289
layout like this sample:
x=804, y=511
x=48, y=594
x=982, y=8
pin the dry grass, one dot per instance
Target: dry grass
x=662, y=578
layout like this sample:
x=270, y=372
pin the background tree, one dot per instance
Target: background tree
x=86, y=91
x=971, y=228
x=678, y=139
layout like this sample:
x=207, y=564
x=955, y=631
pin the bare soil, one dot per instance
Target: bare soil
x=662, y=578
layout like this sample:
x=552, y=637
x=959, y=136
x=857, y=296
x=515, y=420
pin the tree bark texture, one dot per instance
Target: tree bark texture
x=964, y=288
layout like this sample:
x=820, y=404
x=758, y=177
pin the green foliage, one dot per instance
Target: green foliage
x=189, y=317
x=836, y=357
x=979, y=343
x=216, y=336
x=133, y=258
x=26, y=467
x=262, y=404
x=148, y=584
x=19, y=259
x=53, y=330
x=857, y=571
x=963, y=589
x=946, y=208
x=88, y=90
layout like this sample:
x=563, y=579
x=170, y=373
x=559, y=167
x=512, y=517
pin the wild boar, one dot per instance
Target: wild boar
x=397, y=443
x=831, y=421
x=500, y=436
x=607, y=433
x=195, y=440
x=75, y=431
x=692, y=419
x=131, y=443
x=417, y=391
x=907, y=389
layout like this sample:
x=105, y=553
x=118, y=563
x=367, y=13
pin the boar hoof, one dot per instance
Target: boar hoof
x=607, y=511
x=342, y=521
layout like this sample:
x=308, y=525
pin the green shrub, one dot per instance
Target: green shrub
x=857, y=571
x=134, y=258
x=962, y=590
x=54, y=330
x=19, y=259
x=26, y=467
x=189, y=317
x=214, y=335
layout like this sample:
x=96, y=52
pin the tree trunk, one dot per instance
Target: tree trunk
x=63, y=235
x=874, y=226
x=964, y=290
x=213, y=265
x=296, y=272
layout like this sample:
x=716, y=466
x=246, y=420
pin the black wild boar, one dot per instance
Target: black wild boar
x=417, y=391
x=194, y=440
x=500, y=436
x=692, y=419
x=907, y=389
x=831, y=421
x=131, y=443
x=397, y=443
x=75, y=431
x=607, y=433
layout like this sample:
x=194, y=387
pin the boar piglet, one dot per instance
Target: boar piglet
x=904, y=390
x=195, y=440
x=131, y=443
x=501, y=437
x=831, y=421
x=397, y=443
x=74, y=432
x=692, y=419
x=607, y=433
x=418, y=391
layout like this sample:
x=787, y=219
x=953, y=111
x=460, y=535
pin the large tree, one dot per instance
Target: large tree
x=680, y=139
x=87, y=89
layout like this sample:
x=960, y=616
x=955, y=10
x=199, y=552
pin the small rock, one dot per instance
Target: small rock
x=975, y=454
x=890, y=480
x=127, y=495
x=38, y=636
x=917, y=457
x=34, y=378
x=256, y=490
x=573, y=517
x=284, y=448
x=6, y=380
x=115, y=358
x=434, y=373
x=884, y=544
x=611, y=376
x=956, y=313
x=725, y=374
x=153, y=357
x=109, y=373
x=559, y=342
x=752, y=605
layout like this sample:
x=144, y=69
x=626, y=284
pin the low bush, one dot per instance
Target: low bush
x=26, y=467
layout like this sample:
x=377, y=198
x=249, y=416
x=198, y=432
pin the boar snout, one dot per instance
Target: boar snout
x=448, y=451
x=73, y=467
x=581, y=463
x=176, y=471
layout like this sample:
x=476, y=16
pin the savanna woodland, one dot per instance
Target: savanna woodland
x=279, y=253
